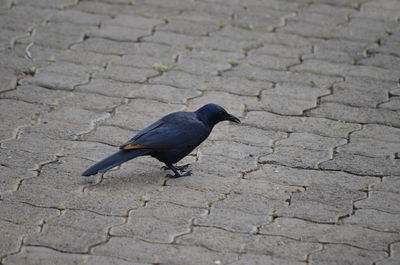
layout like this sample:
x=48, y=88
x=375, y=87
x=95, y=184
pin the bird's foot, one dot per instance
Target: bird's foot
x=177, y=175
x=180, y=168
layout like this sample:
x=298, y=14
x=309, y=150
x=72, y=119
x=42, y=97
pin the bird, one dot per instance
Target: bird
x=169, y=139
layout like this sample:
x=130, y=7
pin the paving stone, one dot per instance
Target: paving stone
x=342, y=31
x=267, y=189
x=139, y=251
x=235, y=85
x=295, y=156
x=110, y=135
x=158, y=222
x=77, y=219
x=311, y=141
x=40, y=196
x=356, y=98
x=53, y=40
x=111, y=47
x=225, y=44
x=344, y=254
x=70, y=69
x=395, y=92
x=270, y=62
x=146, y=112
x=108, y=87
x=223, y=166
x=212, y=55
x=315, y=148
x=15, y=114
x=133, y=21
x=226, y=132
x=174, y=39
x=64, y=238
x=382, y=60
x=290, y=99
x=374, y=219
x=319, y=19
x=282, y=51
x=341, y=234
x=370, y=147
x=188, y=27
x=259, y=74
x=319, y=126
x=224, y=99
x=43, y=256
x=392, y=104
x=66, y=28
x=102, y=203
x=233, y=151
x=252, y=259
x=387, y=184
x=362, y=165
x=94, y=260
x=224, y=241
x=11, y=177
x=93, y=102
x=312, y=178
x=167, y=94
x=184, y=196
x=49, y=4
x=55, y=81
x=201, y=67
x=392, y=260
x=322, y=204
x=78, y=17
x=142, y=61
x=203, y=181
x=41, y=55
x=119, y=33
x=126, y=74
x=358, y=115
x=259, y=18
x=383, y=201
x=12, y=235
x=232, y=220
x=323, y=67
x=36, y=94
x=378, y=132
x=60, y=175
x=23, y=159
x=156, y=11
x=21, y=213
x=85, y=57
x=75, y=115
x=12, y=19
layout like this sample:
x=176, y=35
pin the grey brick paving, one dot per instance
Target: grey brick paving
x=311, y=176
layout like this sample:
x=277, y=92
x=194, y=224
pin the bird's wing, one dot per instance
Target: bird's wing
x=169, y=133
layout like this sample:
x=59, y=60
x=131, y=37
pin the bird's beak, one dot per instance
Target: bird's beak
x=232, y=118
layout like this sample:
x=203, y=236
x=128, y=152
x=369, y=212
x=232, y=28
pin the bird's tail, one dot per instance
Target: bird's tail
x=113, y=161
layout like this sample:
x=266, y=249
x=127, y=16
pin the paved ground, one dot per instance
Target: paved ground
x=311, y=176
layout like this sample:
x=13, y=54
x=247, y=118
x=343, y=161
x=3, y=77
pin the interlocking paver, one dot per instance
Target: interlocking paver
x=341, y=234
x=344, y=254
x=310, y=176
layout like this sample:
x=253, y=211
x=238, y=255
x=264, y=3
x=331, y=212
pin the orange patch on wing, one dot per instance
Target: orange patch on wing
x=138, y=146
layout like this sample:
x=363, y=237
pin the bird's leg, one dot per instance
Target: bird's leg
x=175, y=170
x=180, y=168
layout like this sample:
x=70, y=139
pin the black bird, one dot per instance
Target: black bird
x=169, y=139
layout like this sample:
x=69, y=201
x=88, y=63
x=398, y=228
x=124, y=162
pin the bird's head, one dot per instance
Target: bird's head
x=212, y=114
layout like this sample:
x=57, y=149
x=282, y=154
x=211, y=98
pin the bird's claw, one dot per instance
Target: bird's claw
x=170, y=176
x=180, y=168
